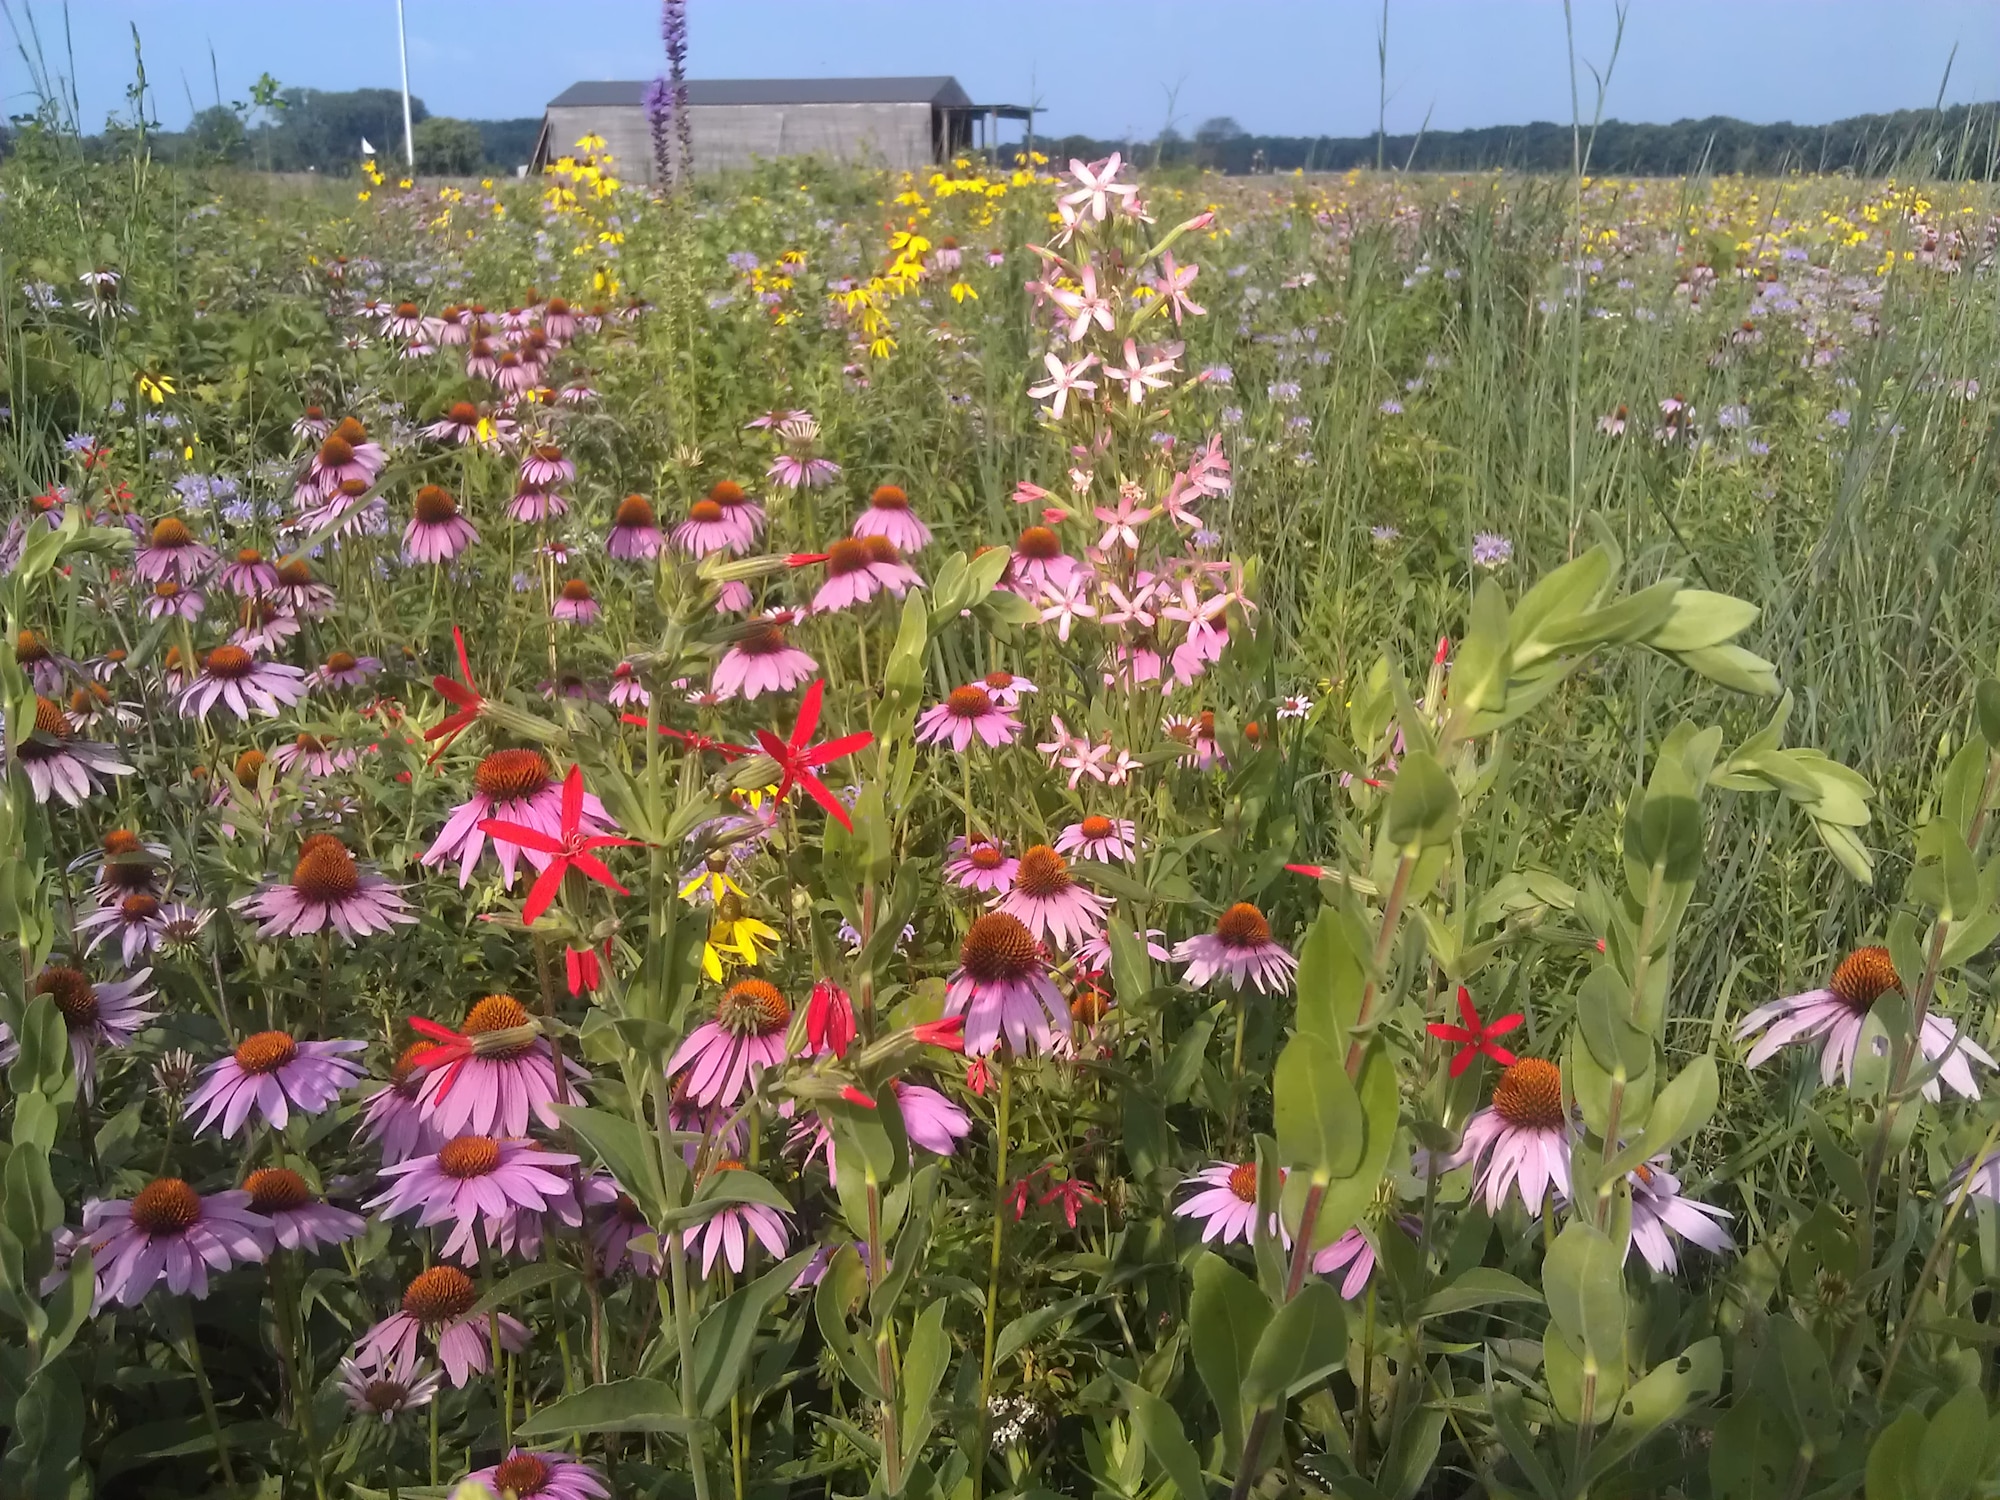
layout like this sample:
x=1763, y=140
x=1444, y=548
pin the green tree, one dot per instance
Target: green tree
x=217, y=134
x=448, y=147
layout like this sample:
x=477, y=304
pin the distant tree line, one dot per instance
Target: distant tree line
x=1960, y=141
x=320, y=130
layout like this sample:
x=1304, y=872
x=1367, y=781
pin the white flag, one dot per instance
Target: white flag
x=366, y=149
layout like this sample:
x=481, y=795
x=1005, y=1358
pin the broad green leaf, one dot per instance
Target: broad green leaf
x=1583, y=1279
x=628, y=1153
x=1159, y=1428
x=1482, y=1286
x=1032, y=1325
x=1318, y=1115
x=634, y=1404
x=1895, y=1459
x=1226, y=1316
x=1667, y=1392
x=722, y=1343
x=1699, y=618
x=1330, y=979
x=1423, y=804
x=1303, y=1342
x=924, y=1365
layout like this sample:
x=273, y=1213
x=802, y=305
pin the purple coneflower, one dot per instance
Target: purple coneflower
x=171, y=552
x=1039, y=563
x=1657, y=1207
x=888, y=515
x=299, y=1220
x=386, y=1394
x=60, y=765
x=234, y=677
x=345, y=457
x=544, y=465
x=299, y=593
x=1522, y=1139
x=885, y=561
x=327, y=889
x=723, y=1056
x=169, y=600
x=137, y=920
x=1226, y=1203
x=272, y=1073
x=531, y=505
x=312, y=424
x=167, y=1231
x=1241, y=949
x=762, y=660
x=627, y=691
x=249, y=575
x=491, y=1076
x=980, y=865
x=1049, y=902
x=477, y=1182
x=743, y=514
x=393, y=1119
x=126, y=864
x=436, y=1304
x=726, y=1232
x=266, y=626
x=509, y=786
x=437, y=532
x=1002, y=988
x=460, y=423
x=930, y=1120
x=540, y=1476
x=1835, y=1015
x=575, y=605
x=967, y=711
x=635, y=531
x=851, y=578
x=96, y=1015
x=1100, y=838
x=707, y=530
x=616, y=1229
x=313, y=756
x=345, y=669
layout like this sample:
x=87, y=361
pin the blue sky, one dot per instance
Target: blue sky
x=1096, y=66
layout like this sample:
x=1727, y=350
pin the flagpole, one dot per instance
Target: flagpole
x=403, y=46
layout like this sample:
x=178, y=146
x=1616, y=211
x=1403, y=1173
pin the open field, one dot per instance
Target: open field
x=837, y=834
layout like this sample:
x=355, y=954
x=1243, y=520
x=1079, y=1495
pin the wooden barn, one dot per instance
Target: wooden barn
x=905, y=123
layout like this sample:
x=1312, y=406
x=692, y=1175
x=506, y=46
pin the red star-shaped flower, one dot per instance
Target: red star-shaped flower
x=571, y=849
x=465, y=700
x=1475, y=1036
x=692, y=740
x=797, y=760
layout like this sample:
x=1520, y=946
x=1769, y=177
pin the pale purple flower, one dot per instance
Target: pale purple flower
x=1240, y=950
x=172, y=554
x=1002, y=988
x=544, y=467
x=485, y=1188
x=489, y=1077
x=1049, y=902
x=270, y=1073
x=635, y=531
x=327, y=889
x=107, y=1013
x=345, y=669
x=761, y=661
x=967, y=712
x=57, y=764
x=888, y=515
x=1521, y=1140
x=509, y=786
x=540, y=1476
x=436, y=1303
x=1226, y=1204
x=299, y=1220
x=1062, y=380
x=375, y=1393
x=726, y=1233
x=234, y=677
x=723, y=1056
x=169, y=1232
x=981, y=865
x=136, y=920
x=1658, y=1208
x=437, y=532
x=1099, y=838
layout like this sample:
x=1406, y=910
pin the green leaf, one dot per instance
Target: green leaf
x=1583, y=1279
x=1305, y=1341
x=1482, y=1286
x=1484, y=662
x=1183, y=1069
x=1226, y=1316
x=1698, y=618
x=1804, y=1387
x=1318, y=1115
x=1131, y=964
x=1894, y=1459
x=1330, y=979
x=629, y=1154
x=1412, y=1456
x=1733, y=667
x=1668, y=1392
x=634, y=1404
x=722, y=1342
x=1032, y=1325
x=1954, y=1449
x=1423, y=804
x=1986, y=697
x=924, y=1363
x=516, y=1284
x=1159, y=1428
x=1753, y=1457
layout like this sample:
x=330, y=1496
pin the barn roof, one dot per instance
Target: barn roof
x=942, y=90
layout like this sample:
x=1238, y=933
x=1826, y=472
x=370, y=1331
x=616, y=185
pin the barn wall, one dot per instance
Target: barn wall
x=735, y=135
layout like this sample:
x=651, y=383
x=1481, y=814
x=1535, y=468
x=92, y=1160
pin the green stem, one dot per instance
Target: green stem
x=993, y=1269
x=684, y=1336
x=183, y=1325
